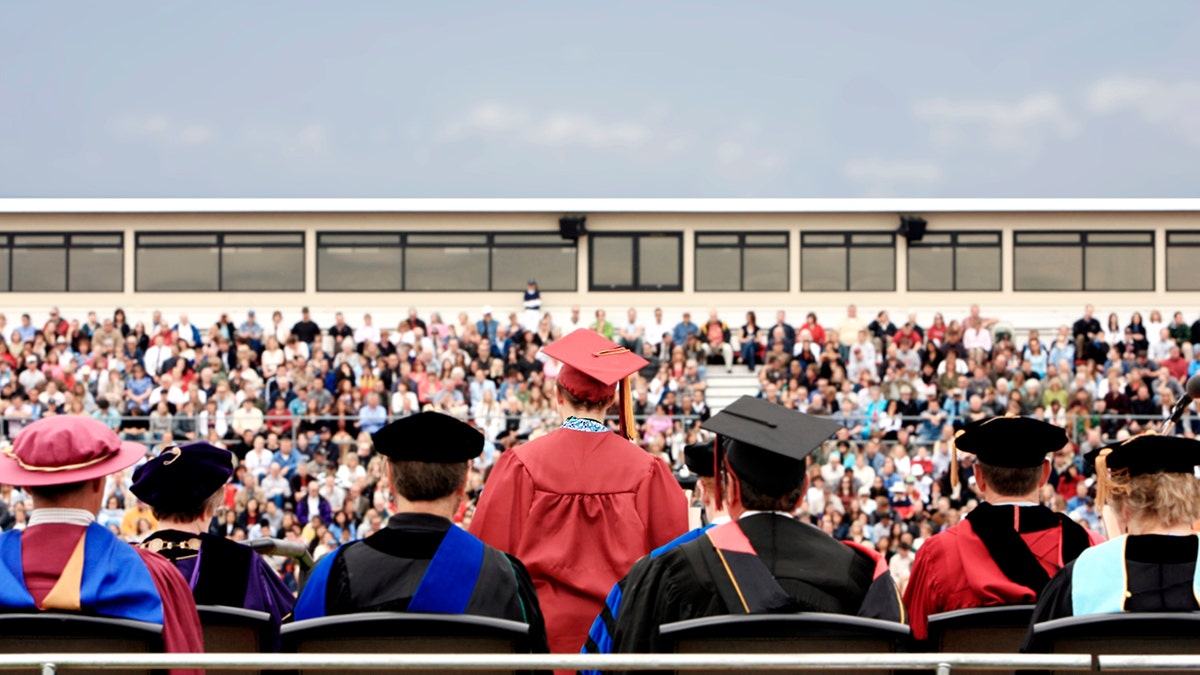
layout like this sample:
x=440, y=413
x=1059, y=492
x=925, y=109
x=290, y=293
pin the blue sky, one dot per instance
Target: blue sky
x=613, y=99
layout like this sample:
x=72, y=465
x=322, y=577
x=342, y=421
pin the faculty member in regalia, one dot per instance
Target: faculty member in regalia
x=184, y=485
x=1149, y=483
x=763, y=561
x=582, y=503
x=1006, y=550
x=63, y=560
x=422, y=562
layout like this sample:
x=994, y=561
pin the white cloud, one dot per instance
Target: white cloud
x=556, y=129
x=1011, y=126
x=162, y=129
x=1175, y=106
x=880, y=176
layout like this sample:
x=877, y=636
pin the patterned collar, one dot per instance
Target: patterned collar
x=584, y=424
x=44, y=516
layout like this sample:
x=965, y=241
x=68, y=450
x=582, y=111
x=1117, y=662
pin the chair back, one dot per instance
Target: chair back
x=405, y=633
x=234, y=630
x=51, y=633
x=979, y=630
x=1141, y=633
x=811, y=633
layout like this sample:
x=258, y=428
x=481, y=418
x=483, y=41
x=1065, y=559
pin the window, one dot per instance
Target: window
x=394, y=261
x=1083, y=261
x=57, y=263
x=755, y=261
x=833, y=261
x=637, y=262
x=250, y=261
x=1183, y=274
x=955, y=261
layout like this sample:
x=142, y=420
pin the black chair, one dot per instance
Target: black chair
x=811, y=633
x=403, y=633
x=979, y=630
x=234, y=630
x=1129, y=633
x=52, y=633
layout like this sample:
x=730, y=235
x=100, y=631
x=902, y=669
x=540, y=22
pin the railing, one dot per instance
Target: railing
x=943, y=664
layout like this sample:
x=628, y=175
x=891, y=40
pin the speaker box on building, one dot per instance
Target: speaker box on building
x=572, y=227
x=912, y=228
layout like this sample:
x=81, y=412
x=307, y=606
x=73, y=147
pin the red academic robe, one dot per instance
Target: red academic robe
x=953, y=570
x=578, y=508
x=45, y=550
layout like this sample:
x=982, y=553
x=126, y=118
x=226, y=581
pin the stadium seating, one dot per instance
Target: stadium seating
x=76, y=634
x=783, y=634
x=401, y=633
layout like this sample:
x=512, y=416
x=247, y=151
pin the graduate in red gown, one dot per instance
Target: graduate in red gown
x=581, y=504
x=1008, y=548
x=64, y=560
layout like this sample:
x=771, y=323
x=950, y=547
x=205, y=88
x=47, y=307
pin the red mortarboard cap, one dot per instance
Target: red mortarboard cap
x=65, y=449
x=592, y=365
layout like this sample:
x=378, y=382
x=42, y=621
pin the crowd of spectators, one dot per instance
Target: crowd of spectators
x=297, y=402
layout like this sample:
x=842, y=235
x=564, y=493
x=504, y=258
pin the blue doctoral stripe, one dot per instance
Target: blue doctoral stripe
x=600, y=637
x=311, y=604
x=452, y=574
x=115, y=581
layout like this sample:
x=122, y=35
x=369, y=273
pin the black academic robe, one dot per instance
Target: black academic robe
x=382, y=573
x=815, y=571
x=1160, y=571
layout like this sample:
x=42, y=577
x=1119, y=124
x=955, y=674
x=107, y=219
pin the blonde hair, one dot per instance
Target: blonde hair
x=1165, y=499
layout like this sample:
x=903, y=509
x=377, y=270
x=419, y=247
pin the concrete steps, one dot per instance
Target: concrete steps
x=725, y=388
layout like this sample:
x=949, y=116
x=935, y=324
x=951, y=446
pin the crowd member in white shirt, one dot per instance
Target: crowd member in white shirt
x=632, y=333
x=259, y=458
x=575, y=323
x=655, y=329
x=155, y=356
x=366, y=332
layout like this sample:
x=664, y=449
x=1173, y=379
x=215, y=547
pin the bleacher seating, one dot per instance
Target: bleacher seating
x=783, y=634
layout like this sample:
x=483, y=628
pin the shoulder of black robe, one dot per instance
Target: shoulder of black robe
x=382, y=573
x=1054, y=602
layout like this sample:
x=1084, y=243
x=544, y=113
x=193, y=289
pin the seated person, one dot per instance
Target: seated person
x=421, y=561
x=1151, y=489
x=63, y=560
x=768, y=561
x=184, y=486
x=1007, y=549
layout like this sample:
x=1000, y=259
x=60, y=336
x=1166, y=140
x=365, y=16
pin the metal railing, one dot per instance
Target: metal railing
x=943, y=664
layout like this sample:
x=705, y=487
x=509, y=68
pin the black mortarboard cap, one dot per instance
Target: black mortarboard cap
x=182, y=477
x=429, y=437
x=766, y=443
x=1149, y=454
x=699, y=459
x=1011, y=442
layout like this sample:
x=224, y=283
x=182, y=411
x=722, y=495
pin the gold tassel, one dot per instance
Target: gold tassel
x=954, y=458
x=628, y=425
x=1103, y=482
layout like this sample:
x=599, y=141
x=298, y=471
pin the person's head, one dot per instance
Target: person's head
x=1010, y=455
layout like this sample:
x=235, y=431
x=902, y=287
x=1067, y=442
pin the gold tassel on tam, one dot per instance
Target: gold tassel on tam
x=1103, y=482
x=628, y=424
x=954, y=458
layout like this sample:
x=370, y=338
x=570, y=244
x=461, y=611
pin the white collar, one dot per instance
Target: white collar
x=45, y=516
x=1016, y=504
x=720, y=520
x=747, y=514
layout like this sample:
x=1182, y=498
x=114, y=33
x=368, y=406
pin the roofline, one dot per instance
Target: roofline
x=222, y=205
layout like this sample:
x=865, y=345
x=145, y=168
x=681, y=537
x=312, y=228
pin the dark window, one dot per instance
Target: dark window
x=955, y=261
x=742, y=262
x=1183, y=272
x=835, y=261
x=249, y=261
x=75, y=262
x=636, y=262
x=1083, y=261
x=394, y=261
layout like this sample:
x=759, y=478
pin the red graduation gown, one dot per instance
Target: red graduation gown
x=953, y=570
x=578, y=508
